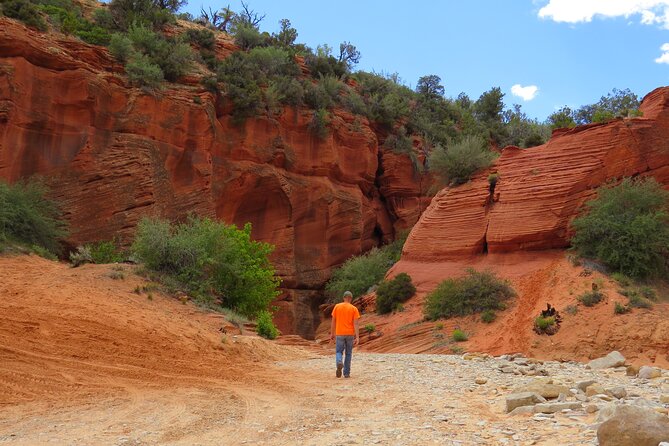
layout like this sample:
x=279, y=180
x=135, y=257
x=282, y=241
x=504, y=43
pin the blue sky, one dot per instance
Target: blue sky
x=573, y=51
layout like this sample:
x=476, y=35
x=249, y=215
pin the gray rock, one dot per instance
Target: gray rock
x=634, y=426
x=585, y=384
x=617, y=392
x=522, y=399
x=613, y=359
x=647, y=372
x=556, y=407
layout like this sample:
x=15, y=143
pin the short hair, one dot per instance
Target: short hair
x=348, y=294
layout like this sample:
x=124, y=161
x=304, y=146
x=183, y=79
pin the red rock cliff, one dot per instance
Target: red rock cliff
x=114, y=154
x=541, y=189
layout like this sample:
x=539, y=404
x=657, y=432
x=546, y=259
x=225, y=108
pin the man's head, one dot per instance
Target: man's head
x=348, y=296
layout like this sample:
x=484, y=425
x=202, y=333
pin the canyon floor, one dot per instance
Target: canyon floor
x=85, y=360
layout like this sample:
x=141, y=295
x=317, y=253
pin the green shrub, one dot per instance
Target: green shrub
x=627, y=228
x=459, y=335
x=544, y=323
x=144, y=73
x=149, y=13
x=473, y=293
x=210, y=259
x=265, y=326
x=120, y=47
x=319, y=123
x=370, y=328
x=325, y=65
x=461, y=160
x=203, y=38
x=393, y=292
x=249, y=37
x=637, y=301
x=358, y=274
x=399, y=142
x=622, y=279
x=105, y=252
x=648, y=293
x=571, y=309
x=28, y=217
x=590, y=298
x=25, y=11
x=488, y=316
x=621, y=309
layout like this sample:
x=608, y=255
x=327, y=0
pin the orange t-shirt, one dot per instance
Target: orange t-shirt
x=344, y=314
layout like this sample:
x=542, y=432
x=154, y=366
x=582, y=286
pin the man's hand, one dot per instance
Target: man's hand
x=332, y=336
x=357, y=340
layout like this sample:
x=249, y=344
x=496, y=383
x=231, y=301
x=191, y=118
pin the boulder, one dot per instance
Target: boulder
x=613, y=359
x=647, y=372
x=522, y=399
x=585, y=384
x=595, y=389
x=633, y=426
x=632, y=370
x=617, y=392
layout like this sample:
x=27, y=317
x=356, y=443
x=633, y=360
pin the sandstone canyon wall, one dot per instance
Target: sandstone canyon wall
x=114, y=154
x=540, y=190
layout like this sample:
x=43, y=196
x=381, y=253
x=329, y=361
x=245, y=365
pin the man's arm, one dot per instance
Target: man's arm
x=357, y=335
x=332, y=328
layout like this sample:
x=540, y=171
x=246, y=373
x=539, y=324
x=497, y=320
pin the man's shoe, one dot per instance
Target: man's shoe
x=347, y=376
x=339, y=367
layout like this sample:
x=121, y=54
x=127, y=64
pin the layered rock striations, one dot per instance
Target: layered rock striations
x=540, y=190
x=114, y=154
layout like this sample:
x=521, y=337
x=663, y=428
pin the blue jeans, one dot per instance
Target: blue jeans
x=345, y=343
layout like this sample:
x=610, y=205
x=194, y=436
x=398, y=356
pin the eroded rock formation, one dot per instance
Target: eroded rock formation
x=114, y=154
x=540, y=190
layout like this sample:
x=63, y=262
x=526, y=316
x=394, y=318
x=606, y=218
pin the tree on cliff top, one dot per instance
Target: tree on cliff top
x=456, y=163
x=627, y=228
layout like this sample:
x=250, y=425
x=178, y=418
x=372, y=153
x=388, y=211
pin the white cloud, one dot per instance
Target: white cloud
x=577, y=11
x=664, y=57
x=526, y=93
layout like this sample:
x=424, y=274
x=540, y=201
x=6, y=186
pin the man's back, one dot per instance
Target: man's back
x=345, y=314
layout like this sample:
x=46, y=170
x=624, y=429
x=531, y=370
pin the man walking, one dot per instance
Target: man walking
x=345, y=326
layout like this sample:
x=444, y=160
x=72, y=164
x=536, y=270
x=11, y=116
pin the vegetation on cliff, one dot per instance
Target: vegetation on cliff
x=627, y=228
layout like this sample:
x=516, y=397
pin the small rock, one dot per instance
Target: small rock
x=544, y=388
x=507, y=370
x=522, y=399
x=647, y=372
x=613, y=359
x=632, y=370
x=522, y=410
x=594, y=389
x=481, y=381
x=664, y=399
x=617, y=392
x=633, y=426
x=556, y=407
x=591, y=408
x=585, y=384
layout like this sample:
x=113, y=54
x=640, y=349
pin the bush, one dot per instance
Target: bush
x=358, y=274
x=636, y=301
x=319, y=123
x=203, y=38
x=459, y=335
x=622, y=279
x=25, y=11
x=121, y=47
x=488, y=316
x=105, y=252
x=543, y=324
x=125, y=13
x=370, y=328
x=461, y=160
x=28, y=217
x=627, y=228
x=144, y=73
x=210, y=259
x=265, y=326
x=590, y=298
x=473, y=293
x=393, y=292
x=621, y=309
x=81, y=256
